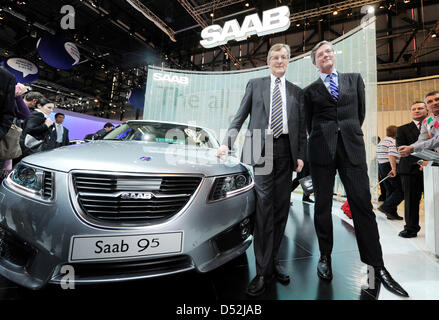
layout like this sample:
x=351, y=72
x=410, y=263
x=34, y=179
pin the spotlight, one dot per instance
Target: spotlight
x=247, y=4
x=335, y=13
x=434, y=35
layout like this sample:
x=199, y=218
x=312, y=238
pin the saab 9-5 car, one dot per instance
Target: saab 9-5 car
x=150, y=199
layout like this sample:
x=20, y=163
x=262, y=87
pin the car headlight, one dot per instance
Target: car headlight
x=228, y=186
x=32, y=181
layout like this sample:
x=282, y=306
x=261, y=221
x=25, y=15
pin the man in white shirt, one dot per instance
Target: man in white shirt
x=276, y=138
x=59, y=135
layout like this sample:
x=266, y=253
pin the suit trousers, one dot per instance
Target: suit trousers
x=273, y=193
x=394, y=194
x=356, y=184
x=413, y=187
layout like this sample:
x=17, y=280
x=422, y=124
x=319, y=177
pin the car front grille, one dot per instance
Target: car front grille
x=126, y=198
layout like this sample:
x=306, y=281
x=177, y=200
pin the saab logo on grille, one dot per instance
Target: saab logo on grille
x=137, y=195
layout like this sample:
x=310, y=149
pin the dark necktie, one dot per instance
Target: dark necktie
x=333, y=88
x=276, y=110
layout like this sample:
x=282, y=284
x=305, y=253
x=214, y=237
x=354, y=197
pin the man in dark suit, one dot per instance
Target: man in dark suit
x=411, y=177
x=58, y=135
x=274, y=146
x=335, y=110
x=7, y=94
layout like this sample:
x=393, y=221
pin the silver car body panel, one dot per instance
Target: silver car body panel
x=49, y=226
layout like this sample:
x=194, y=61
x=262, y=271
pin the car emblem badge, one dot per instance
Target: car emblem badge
x=137, y=195
x=146, y=158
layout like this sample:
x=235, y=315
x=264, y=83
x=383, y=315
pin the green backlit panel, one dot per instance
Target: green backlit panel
x=210, y=99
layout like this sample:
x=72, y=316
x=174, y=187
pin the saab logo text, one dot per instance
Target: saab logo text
x=170, y=78
x=136, y=195
x=273, y=21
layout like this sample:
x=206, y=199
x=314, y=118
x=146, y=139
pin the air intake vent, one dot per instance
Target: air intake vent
x=48, y=185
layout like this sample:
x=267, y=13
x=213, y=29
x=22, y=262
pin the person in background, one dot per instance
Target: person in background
x=388, y=158
x=22, y=113
x=31, y=98
x=382, y=197
x=411, y=177
x=7, y=106
x=101, y=133
x=26, y=99
x=58, y=134
x=429, y=136
x=36, y=128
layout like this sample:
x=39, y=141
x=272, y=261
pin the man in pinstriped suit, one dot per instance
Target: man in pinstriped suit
x=276, y=104
x=335, y=110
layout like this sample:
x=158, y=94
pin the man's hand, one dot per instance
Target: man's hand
x=48, y=122
x=222, y=151
x=392, y=173
x=20, y=89
x=421, y=167
x=299, y=165
x=405, y=151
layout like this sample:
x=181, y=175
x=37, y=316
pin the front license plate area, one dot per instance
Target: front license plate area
x=93, y=248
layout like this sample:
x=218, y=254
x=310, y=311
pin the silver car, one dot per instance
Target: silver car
x=150, y=199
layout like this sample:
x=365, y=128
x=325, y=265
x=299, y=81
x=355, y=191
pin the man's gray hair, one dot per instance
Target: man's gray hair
x=317, y=46
x=278, y=47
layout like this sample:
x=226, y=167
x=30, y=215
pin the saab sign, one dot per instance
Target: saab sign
x=273, y=20
x=170, y=78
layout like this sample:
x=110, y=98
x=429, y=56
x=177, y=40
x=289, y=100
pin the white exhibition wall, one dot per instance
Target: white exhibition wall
x=210, y=99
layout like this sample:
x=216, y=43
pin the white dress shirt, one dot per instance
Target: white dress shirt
x=59, y=132
x=283, y=94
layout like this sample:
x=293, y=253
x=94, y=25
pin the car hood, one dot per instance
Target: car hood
x=135, y=156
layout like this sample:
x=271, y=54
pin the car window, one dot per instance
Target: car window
x=162, y=133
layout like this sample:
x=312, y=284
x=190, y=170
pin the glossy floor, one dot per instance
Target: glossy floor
x=406, y=259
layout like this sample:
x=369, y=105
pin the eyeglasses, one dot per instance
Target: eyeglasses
x=281, y=58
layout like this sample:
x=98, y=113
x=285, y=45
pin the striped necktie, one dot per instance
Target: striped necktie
x=276, y=110
x=333, y=88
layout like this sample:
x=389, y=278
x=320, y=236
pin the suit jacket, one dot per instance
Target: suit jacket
x=327, y=118
x=34, y=126
x=256, y=103
x=405, y=136
x=50, y=142
x=7, y=93
x=429, y=136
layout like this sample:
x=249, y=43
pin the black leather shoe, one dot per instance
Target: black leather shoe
x=256, y=286
x=390, y=216
x=386, y=279
x=324, y=269
x=407, y=234
x=394, y=216
x=280, y=275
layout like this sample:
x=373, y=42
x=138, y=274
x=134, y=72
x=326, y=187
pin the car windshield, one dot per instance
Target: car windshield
x=162, y=133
